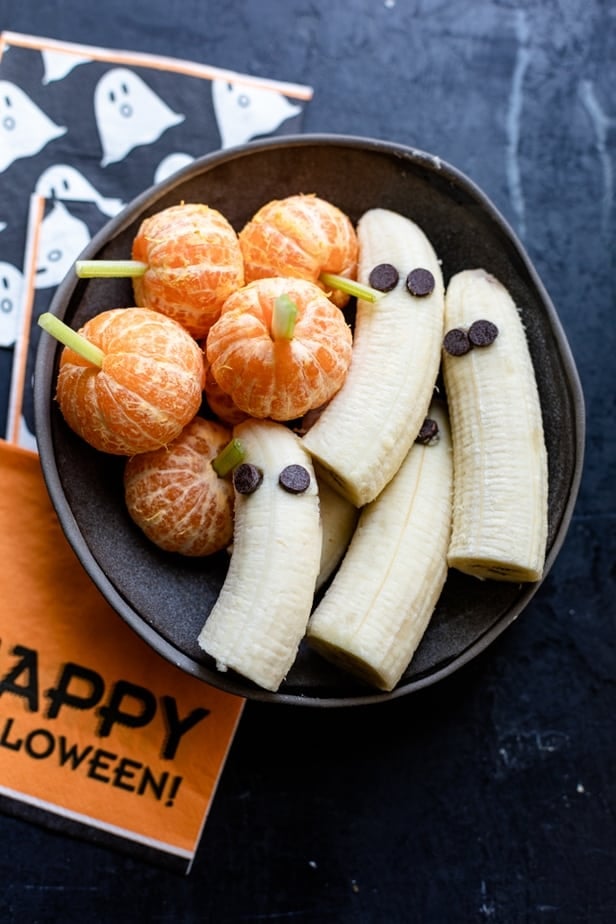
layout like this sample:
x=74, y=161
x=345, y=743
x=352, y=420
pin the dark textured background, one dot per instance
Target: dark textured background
x=490, y=797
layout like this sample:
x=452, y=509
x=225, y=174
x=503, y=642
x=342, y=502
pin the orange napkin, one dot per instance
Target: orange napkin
x=95, y=727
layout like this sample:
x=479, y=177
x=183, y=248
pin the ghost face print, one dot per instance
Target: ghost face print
x=171, y=164
x=58, y=64
x=11, y=293
x=24, y=128
x=244, y=111
x=61, y=181
x=128, y=114
x=62, y=238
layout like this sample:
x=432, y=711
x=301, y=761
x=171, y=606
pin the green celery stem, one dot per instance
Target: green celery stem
x=70, y=338
x=109, y=269
x=284, y=317
x=228, y=458
x=350, y=286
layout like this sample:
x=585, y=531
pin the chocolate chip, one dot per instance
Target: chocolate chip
x=420, y=282
x=384, y=277
x=456, y=342
x=295, y=479
x=247, y=478
x=482, y=333
x=428, y=432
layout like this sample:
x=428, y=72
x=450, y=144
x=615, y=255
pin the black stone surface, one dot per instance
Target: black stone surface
x=490, y=797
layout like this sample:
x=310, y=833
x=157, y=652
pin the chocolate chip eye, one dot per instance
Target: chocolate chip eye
x=428, y=432
x=456, y=342
x=384, y=277
x=295, y=479
x=482, y=333
x=420, y=282
x=247, y=478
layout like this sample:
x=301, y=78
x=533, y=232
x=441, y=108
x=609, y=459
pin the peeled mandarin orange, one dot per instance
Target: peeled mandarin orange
x=194, y=262
x=303, y=236
x=272, y=376
x=219, y=402
x=176, y=498
x=148, y=388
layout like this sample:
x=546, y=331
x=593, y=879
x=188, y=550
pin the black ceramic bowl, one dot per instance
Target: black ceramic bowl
x=166, y=598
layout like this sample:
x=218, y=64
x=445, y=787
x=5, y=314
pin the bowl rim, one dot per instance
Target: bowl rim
x=45, y=361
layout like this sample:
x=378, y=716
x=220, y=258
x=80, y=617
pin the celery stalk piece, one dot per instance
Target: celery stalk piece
x=70, y=338
x=228, y=458
x=109, y=269
x=350, y=286
x=284, y=317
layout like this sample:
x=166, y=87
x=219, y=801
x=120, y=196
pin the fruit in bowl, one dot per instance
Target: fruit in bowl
x=149, y=586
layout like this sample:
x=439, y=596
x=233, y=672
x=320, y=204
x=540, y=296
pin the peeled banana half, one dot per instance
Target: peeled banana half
x=362, y=436
x=261, y=613
x=379, y=604
x=500, y=462
x=338, y=522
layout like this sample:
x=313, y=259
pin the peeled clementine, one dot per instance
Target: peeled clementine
x=273, y=376
x=147, y=389
x=194, y=262
x=176, y=498
x=302, y=236
x=219, y=402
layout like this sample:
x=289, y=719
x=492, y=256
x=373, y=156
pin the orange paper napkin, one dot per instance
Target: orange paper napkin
x=95, y=727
